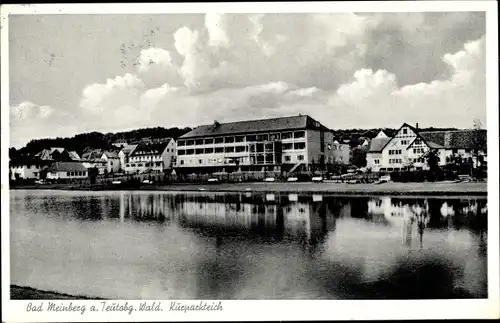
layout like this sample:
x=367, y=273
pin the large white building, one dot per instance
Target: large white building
x=278, y=144
x=152, y=157
x=409, y=146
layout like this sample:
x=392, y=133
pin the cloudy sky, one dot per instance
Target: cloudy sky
x=78, y=73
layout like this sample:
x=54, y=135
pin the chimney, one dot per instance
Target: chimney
x=216, y=124
x=416, y=126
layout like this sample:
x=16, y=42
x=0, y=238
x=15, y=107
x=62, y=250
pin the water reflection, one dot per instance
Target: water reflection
x=250, y=246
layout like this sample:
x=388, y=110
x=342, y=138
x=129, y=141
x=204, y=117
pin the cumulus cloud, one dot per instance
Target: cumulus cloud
x=346, y=70
x=29, y=120
x=373, y=96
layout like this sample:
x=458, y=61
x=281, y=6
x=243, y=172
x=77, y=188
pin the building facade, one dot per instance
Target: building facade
x=279, y=144
x=408, y=148
x=24, y=171
x=67, y=170
x=154, y=157
x=124, y=155
x=341, y=153
x=112, y=161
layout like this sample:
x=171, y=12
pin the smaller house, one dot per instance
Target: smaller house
x=112, y=161
x=66, y=170
x=124, y=155
x=92, y=158
x=152, y=157
x=24, y=170
x=340, y=153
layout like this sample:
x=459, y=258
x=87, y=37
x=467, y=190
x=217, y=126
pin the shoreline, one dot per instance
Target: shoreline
x=439, y=188
x=30, y=293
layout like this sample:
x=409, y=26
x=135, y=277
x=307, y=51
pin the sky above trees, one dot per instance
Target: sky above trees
x=78, y=73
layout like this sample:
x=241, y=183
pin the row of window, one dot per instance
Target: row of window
x=418, y=160
x=247, y=138
x=395, y=161
x=418, y=150
x=240, y=149
x=260, y=159
x=405, y=142
x=143, y=164
x=395, y=152
x=155, y=152
x=76, y=173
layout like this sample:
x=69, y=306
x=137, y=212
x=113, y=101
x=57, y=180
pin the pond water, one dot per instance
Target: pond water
x=202, y=245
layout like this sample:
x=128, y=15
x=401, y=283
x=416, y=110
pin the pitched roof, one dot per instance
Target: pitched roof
x=67, y=167
x=90, y=154
x=156, y=148
x=46, y=154
x=73, y=155
x=377, y=144
x=111, y=154
x=128, y=149
x=454, y=139
x=274, y=124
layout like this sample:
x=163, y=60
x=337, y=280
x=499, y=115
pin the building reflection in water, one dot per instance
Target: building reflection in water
x=417, y=214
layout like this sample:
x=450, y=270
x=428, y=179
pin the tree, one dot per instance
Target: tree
x=432, y=160
x=358, y=157
x=478, y=141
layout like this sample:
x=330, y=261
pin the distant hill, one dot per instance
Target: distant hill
x=96, y=140
x=99, y=140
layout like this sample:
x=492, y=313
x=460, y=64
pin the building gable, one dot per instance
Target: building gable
x=405, y=135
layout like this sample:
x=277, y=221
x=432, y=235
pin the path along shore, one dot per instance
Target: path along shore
x=391, y=188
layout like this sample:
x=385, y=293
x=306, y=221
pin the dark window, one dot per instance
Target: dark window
x=209, y=150
x=199, y=141
x=189, y=142
x=260, y=148
x=264, y=137
x=300, y=157
x=209, y=141
x=405, y=131
x=229, y=149
x=200, y=161
x=219, y=140
x=287, y=146
x=182, y=162
x=181, y=152
x=287, y=135
x=190, y=152
x=219, y=150
x=240, y=138
x=269, y=147
x=299, y=134
x=228, y=140
x=274, y=136
x=68, y=173
x=299, y=145
x=199, y=151
x=240, y=149
x=181, y=143
x=288, y=158
x=252, y=138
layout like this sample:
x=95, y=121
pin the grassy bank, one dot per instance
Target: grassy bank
x=21, y=293
x=433, y=188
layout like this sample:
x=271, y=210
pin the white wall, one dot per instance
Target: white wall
x=25, y=172
x=65, y=175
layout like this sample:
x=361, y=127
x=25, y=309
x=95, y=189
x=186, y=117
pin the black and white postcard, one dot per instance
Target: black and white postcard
x=250, y=161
